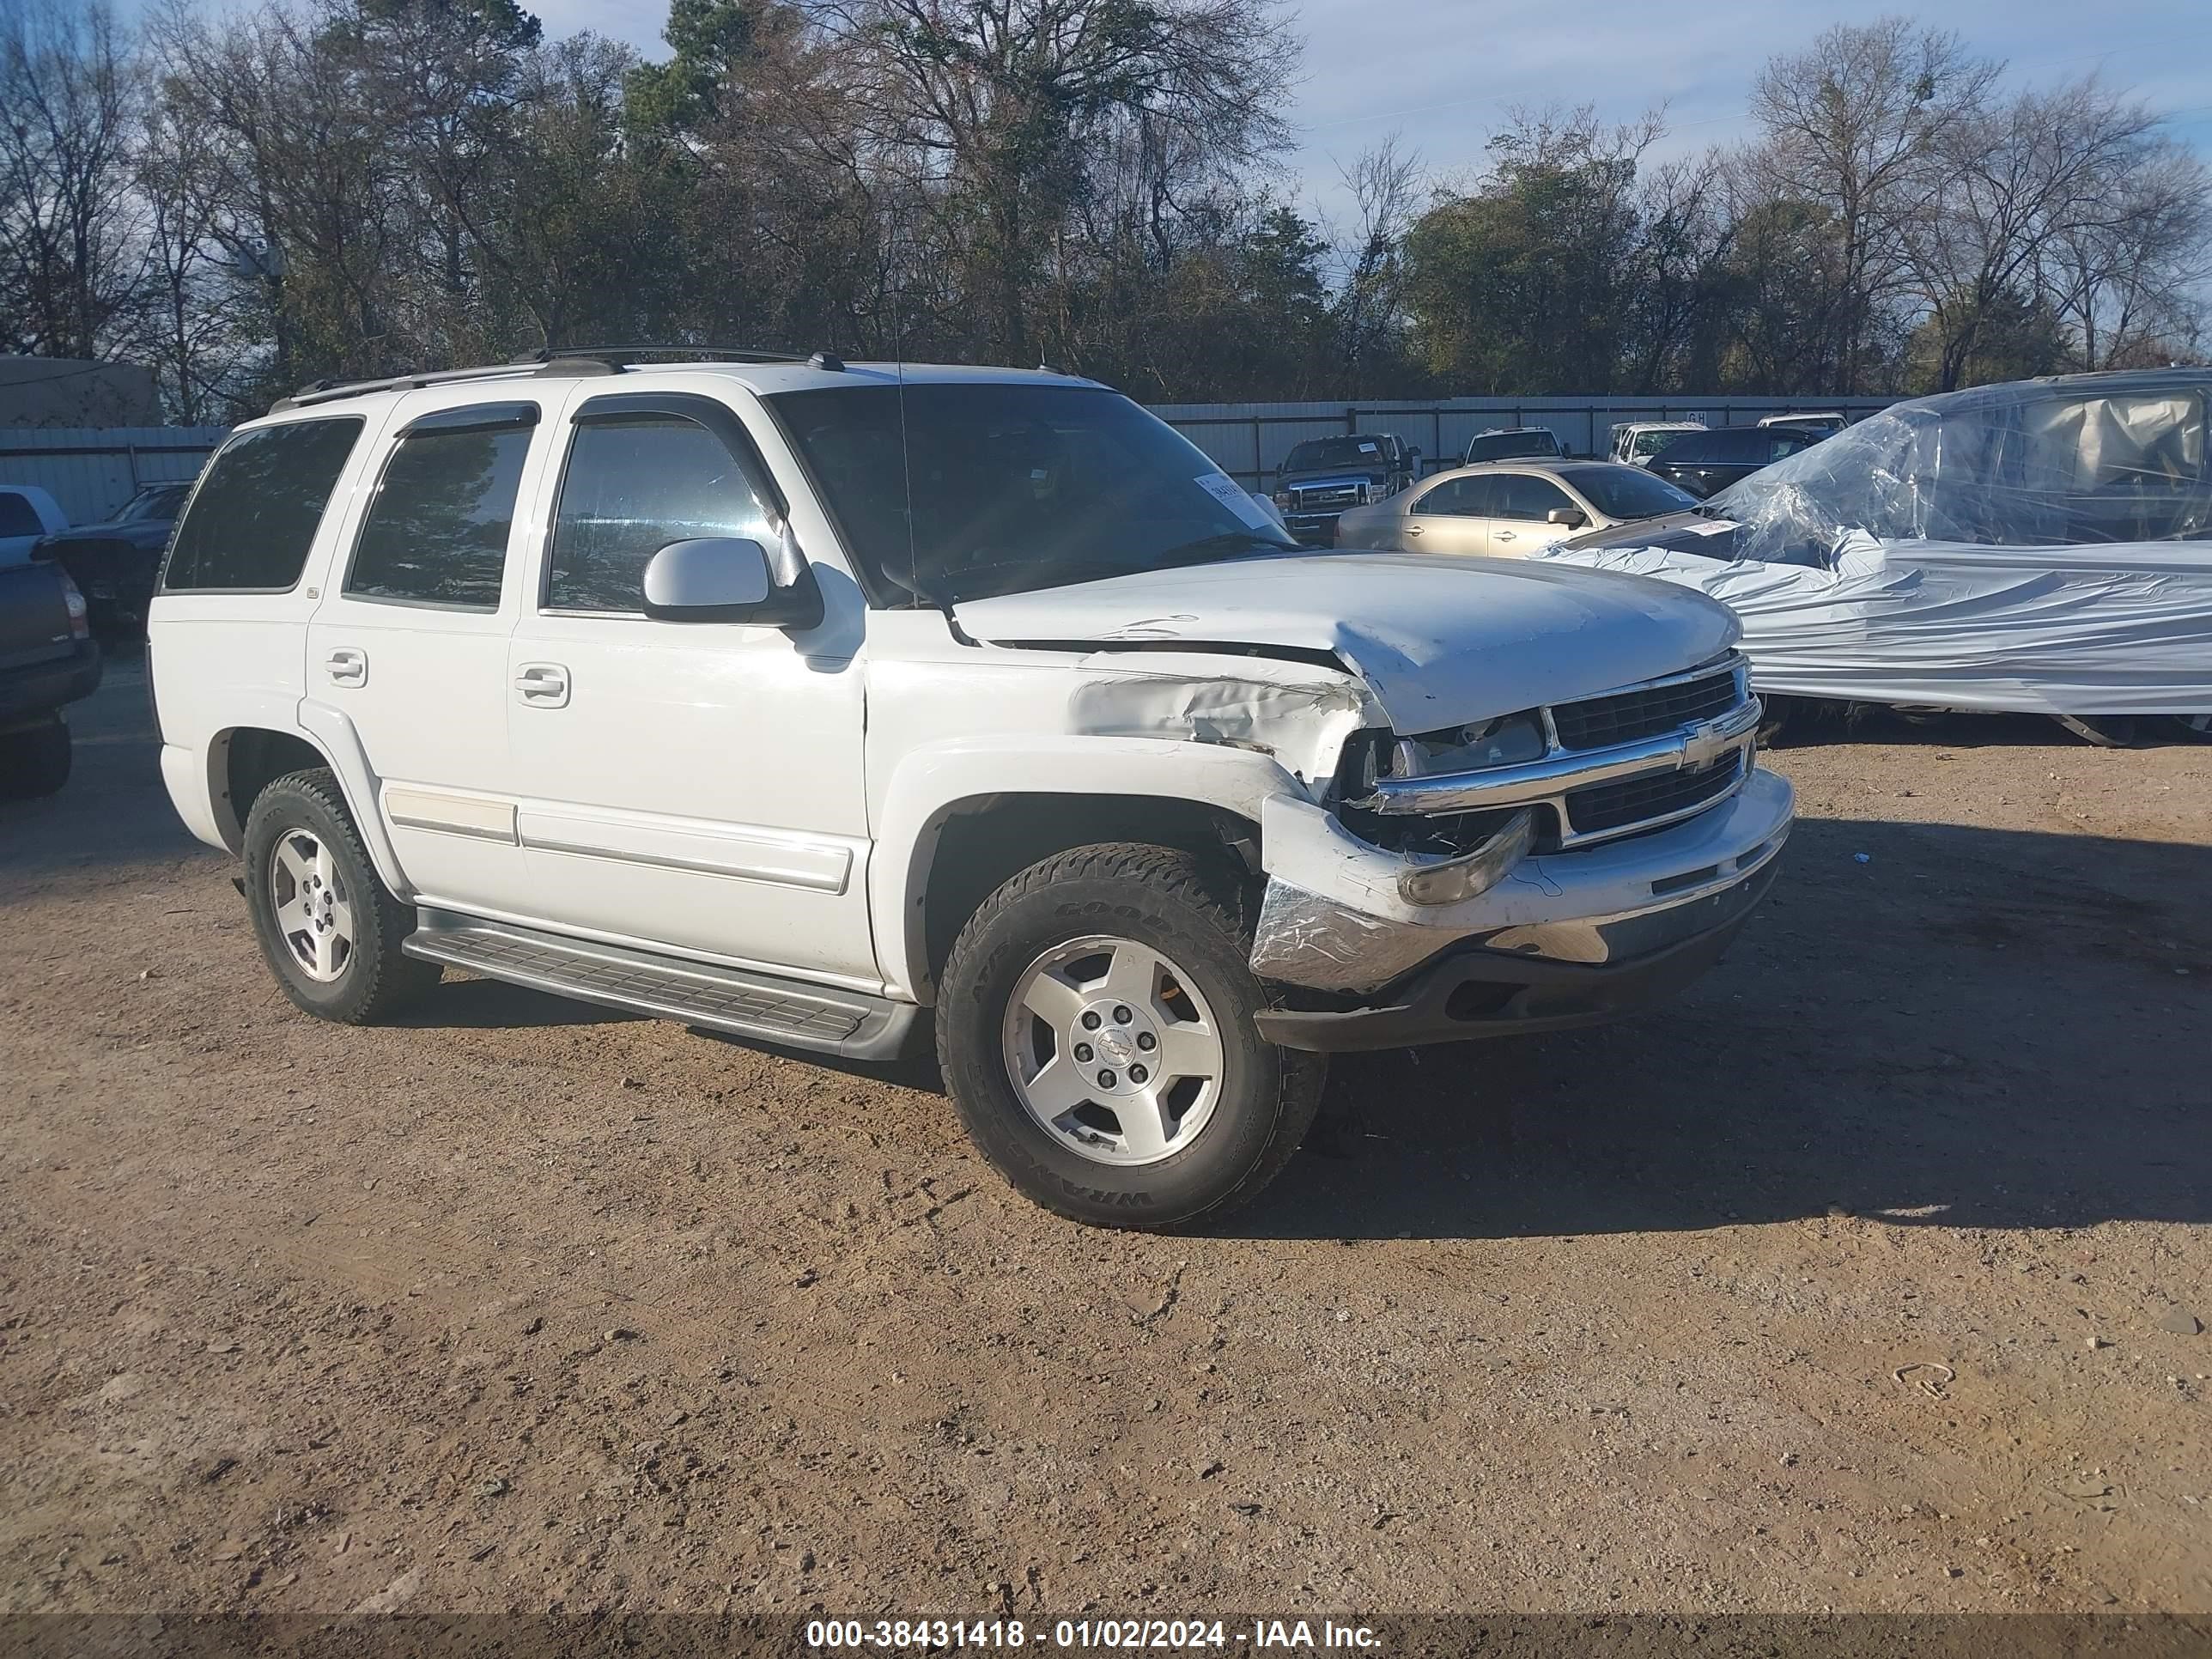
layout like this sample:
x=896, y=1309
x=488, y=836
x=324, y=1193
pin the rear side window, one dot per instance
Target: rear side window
x=18, y=517
x=633, y=486
x=1461, y=498
x=437, y=531
x=255, y=514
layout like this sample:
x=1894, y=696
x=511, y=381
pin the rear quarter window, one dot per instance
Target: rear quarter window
x=18, y=517
x=256, y=513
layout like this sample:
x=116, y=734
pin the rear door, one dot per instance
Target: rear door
x=1452, y=516
x=410, y=641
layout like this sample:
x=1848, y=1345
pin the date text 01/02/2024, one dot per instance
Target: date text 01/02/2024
x=1085, y=1633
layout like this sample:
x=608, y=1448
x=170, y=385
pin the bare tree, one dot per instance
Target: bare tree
x=2044, y=170
x=1856, y=126
x=1387, y=184
x=71, y=267
x=2131, y=282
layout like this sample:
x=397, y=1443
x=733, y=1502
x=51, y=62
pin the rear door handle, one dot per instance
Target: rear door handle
x=347, y=667
x=1505, y=535
x=543, y=684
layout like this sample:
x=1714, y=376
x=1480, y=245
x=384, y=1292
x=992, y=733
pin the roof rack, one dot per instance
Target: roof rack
x=323, y=392
x=548, y=360
x=620, y=355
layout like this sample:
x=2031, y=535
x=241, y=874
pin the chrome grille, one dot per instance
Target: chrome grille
x=1645, y=711
x=1331, y=495
x=1650, y=801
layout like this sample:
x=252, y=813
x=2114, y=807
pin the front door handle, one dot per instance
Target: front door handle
x=347, y=667
x=1413, y=530
x=543, y=684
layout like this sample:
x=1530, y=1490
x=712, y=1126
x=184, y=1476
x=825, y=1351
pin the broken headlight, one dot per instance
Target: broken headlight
x=1509, y=740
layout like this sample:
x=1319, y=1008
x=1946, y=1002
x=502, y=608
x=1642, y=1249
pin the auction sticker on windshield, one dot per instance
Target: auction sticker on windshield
x=1224, y=490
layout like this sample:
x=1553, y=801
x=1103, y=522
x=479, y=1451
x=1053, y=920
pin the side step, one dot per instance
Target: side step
x=747, y=1004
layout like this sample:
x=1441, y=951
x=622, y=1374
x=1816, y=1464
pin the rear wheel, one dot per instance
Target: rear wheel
x=1095, y=1030
x=2185, y=728
x=329, y=929
x=36, y=760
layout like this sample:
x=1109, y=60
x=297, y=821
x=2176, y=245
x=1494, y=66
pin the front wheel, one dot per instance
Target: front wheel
x=1095, y=1028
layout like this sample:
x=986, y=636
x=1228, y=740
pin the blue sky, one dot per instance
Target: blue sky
x=1442, y=73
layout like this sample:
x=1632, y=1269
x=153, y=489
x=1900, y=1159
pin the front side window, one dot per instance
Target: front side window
x=1525, y=497
x=955, y=491
x=1461, y=498
x=436, y=533
x=255, y=514
x=633, y=485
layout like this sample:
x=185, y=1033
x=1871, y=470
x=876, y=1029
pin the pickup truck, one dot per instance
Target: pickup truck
x=1322, y=477
x=850, y=707
x=47, y=659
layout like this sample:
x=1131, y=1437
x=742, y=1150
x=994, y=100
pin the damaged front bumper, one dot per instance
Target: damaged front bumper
x=1562, y=939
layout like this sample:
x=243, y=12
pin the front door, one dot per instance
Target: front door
x=1521, y=514
x=409, y=643
x=1452, y=516
x=687, y=786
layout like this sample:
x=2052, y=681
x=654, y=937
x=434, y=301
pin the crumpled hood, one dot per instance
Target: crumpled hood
x=1439, y=642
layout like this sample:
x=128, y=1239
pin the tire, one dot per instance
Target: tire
x=299, y=826
x=2183, y=728
x=35, y=760
x=1171, y=1150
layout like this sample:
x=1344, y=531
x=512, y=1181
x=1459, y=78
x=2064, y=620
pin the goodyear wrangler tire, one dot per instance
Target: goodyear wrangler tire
x=1094, y=1027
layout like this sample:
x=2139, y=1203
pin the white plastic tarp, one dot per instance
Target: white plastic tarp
x=2110, y=627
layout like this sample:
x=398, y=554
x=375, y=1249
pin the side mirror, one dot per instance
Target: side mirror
x=1572, y=517
x=728, y=579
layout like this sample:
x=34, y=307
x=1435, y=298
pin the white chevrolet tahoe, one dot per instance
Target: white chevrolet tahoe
x=825, y=705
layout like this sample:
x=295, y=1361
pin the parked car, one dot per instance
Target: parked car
x=1514, y=443
x=1322, y=477
x=2043, y=547
x=47, y=659
x=1825, y=421
x=820, y=704
x=27, y=515
x=1635, y=442
x=1503, y=508
x=115, y=561
x=1700, y=463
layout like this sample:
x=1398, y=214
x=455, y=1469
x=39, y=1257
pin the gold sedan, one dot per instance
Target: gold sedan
x=1506, y=508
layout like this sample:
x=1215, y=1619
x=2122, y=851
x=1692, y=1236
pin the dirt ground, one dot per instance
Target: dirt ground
x=1869, y=1276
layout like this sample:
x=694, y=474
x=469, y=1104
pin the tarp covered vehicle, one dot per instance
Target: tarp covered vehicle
x=2043, y=546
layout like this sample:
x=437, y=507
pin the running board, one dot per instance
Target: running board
x=852, y=1024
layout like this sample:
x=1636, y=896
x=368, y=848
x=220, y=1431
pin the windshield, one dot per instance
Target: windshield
x=1626, y=492
x=1014, y=488
x=1504, y=446
x=155, y=502
x=1361, y=452
x=1651, y=443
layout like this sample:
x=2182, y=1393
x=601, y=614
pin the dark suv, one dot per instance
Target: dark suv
x=1322, y=477
x=1704, y=462
x=115, y=562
